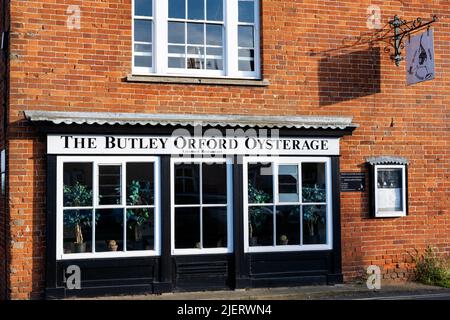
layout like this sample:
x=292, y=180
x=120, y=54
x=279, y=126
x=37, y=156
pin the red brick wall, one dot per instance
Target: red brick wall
x=311, y=73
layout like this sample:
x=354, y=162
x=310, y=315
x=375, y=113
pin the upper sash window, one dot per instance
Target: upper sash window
x=218, y=38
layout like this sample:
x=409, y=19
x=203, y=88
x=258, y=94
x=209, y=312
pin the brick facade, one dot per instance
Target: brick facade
x=311, y=72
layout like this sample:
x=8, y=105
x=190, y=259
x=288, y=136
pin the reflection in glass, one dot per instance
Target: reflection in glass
x=176, y=32
x=260, y=183
x=389, y=193
x=246, y=11
x=77, y=231
x=176, y=63
x=313, y=182
x=288, y=183
x=288, y=225
x=177, y=9
x=196, y=10
x=214, y=227
x=214, y=35
x=314, y=224
x=187, y=183
x=214, y=10
x=143, y=8
x=77, y=179
x=109, y=184
x=109, y=230
x=140, y=224
x=187, y=228
x=214, y=187
x=246, y=38
x=260, y=226
x=142, y=30
x=140, y=183
x=195, y=33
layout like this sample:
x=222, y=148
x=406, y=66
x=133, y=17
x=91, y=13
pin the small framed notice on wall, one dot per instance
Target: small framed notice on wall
x=388, y=185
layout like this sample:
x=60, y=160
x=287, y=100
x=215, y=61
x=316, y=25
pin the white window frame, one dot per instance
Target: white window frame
x=230, y=45
x=276, y=161
x=143, y=70
x=390, y=214
x=229, y=206
x=106, y=160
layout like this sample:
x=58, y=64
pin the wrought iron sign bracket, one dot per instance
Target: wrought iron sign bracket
x=402, y=29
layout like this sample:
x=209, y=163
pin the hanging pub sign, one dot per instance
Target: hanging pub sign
x=420, y=57
x=113, y=144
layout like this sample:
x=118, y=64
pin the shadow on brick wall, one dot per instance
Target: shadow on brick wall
x=344, y=77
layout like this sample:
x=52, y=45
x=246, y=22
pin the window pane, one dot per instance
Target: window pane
x=77, y=231
x=313, y=182
x=177, y=49
x=288, y=183
x=214, y=10
x=109, y=230
x=246, y=65
x=187, y=184
x=77, y=184
x=246, y=11
x=198, y=51
x=214, y=227
x=260, y=226
x=214, y=178
x=176, y=32
x=140, y=183
x=146, y=48
x=195, y=33
x=195, y=63
x=246, y=38
x=143, y=8
x=187, y=228
x=246, y=53
x=260, y=183
x=196, y=10
x=177, y=9
x=214, y=51
x=214, y=64
x=140, y=229
x=177, y=63
x=109, y=185
x=143, y=30
x=288, y=225
x=143, y=61
x=389, y=193
x=314, y=225
x=214, y=35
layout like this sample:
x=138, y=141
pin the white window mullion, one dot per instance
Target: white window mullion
x=94, y=201
x=231, y=38
x=160, y=27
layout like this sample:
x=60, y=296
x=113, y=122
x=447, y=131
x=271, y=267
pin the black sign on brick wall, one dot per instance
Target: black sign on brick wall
x=353, y=181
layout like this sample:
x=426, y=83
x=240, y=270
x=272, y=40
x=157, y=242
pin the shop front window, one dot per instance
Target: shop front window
x=108, y=207
x=201, y=206
x=288, y=204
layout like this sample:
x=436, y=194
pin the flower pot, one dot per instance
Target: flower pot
x=79, y=247
x=284, y=242
x=112, y=245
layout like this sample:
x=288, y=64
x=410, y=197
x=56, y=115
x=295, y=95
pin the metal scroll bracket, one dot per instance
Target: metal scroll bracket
x=403, y=28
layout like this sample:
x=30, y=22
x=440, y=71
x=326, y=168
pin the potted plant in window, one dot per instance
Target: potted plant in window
x=313, y=217
x=284, y=240
x=138, y=193
x=258, y=214
x=78, y=195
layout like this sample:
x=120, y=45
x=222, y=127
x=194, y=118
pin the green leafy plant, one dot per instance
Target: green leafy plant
x=258, y=214
x=77, y=195
x=312, y=216
x=313, y=193
x=139, y=193
x=431, y=269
